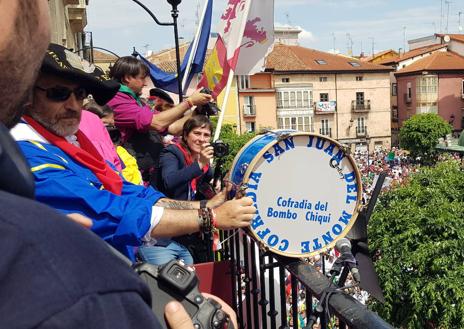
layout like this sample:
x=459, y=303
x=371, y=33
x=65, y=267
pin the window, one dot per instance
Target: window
x=325, y=129
x=427, y=85
x=299, y=100
x=307, y=98
x=285, y=80
x=300, y=123
x=361, y=128
x=395, y=113
x=279, y=100
x=294, y=98
x=426, y=94
x=320, y=61
x=408, y=92
x=360, y=98
x=394, y=89
x=249, y=105
x=323, y=97
x=244, y=82
x=354, y=64
x=322, y=79
x=359, y=78
x=250, y=126
x=285, y=102
x=462, y=88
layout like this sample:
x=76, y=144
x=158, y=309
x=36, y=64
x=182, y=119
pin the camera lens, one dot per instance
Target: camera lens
x=221, y=149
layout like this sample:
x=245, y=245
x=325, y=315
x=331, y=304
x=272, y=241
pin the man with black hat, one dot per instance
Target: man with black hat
x=160, y=98
x=72, y=177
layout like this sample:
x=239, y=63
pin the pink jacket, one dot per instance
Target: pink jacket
x=93, y=128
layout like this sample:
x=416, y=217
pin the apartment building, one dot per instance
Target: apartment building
x=332, y=95
x=68, y=20
x=433, y=84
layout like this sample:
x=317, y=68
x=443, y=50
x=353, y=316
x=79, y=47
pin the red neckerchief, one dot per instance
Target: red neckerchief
x=188, y=161
x=87, y=155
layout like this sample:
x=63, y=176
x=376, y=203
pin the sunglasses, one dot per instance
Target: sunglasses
x=61, y=94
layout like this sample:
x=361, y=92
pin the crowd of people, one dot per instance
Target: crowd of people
x=395, y=163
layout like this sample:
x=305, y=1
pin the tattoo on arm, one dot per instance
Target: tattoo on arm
x=175, y=204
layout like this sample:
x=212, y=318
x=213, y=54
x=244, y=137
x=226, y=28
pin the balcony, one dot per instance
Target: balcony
x=407, y=98
x=77, y=15
x=361, y=106
x=249, y=110
x=325, y=132
x=361, y=131
x=71, y=2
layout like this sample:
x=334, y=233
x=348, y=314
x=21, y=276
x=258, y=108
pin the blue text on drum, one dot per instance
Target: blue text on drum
x=281, y=243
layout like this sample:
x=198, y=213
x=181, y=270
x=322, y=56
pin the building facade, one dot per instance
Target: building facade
x=318, y=92
x=68, y=20
x=433, y=85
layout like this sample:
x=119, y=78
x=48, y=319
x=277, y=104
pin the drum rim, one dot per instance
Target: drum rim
x=357, y=207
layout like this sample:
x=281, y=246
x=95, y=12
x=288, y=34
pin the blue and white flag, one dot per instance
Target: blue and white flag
x=168, y=81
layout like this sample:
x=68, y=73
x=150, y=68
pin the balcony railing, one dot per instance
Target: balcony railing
x=407, y=98
x=361, y=131
x=249, y=110
x=326, y=131
x=358, y=106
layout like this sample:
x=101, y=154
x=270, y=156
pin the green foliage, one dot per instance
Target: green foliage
x=236, y=142
x=420, y=135
x=418, y=230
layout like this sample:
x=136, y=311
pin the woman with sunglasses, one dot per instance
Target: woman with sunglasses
x=185, y=166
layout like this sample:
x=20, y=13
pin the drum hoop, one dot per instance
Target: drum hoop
x=355, y=214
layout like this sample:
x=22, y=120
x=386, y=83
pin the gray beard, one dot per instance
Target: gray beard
x=56, y=128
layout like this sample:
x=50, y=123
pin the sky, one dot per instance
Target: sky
x=363, y=25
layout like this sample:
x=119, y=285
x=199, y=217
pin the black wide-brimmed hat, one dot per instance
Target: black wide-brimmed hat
x=160, y=93
x=65, y=64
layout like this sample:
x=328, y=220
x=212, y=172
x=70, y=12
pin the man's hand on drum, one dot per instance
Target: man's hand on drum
x=236, y=213
x=206, y=155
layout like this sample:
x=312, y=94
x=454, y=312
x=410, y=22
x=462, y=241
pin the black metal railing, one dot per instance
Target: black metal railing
x=249, y=110
x=407, y=98
x=361, y=106
x=259, y=289
x=260, y=281
x=361, y=131
x=326, y=131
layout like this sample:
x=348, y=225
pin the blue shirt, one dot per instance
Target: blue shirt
x=66, y=185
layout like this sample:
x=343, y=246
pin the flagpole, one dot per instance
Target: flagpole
x=231, y=77
x=224, y=106
x=196, y=40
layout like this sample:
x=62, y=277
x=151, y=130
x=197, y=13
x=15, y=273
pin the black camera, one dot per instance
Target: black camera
x=175, y=281
x=220, y=148
x=208, y=109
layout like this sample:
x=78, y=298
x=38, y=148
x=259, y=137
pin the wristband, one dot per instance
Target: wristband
x=212, y=214
x=204, y=219
x=189, y=103
x=203, y=204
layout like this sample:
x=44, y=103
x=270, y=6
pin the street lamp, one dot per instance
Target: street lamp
x=174, y=15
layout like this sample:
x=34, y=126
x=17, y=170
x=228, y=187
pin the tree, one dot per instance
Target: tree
x=417, y=231
x=420, y=135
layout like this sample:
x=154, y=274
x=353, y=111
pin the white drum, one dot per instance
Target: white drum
x=306, y=188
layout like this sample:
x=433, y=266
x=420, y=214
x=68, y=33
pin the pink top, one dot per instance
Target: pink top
x=129, y=116
x=93, y=128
